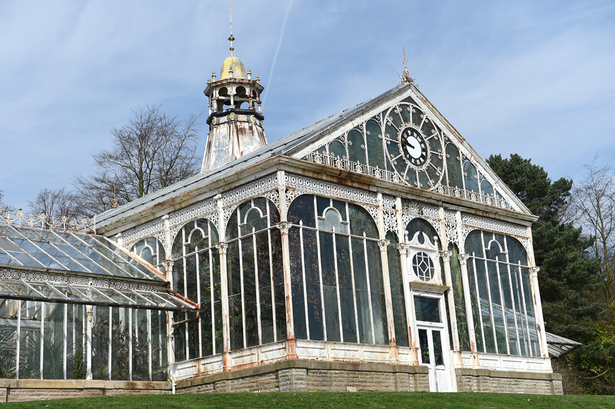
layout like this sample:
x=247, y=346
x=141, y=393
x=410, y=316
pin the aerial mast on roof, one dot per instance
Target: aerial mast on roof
x=231, y=38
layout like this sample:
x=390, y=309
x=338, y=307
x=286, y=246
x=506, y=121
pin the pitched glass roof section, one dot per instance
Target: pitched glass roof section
x=76, y=267
x=278, y=147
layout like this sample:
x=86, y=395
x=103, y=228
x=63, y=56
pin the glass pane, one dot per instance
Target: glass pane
x=8, y=337
x=471, y=178
x=397, y=291
x=265, y=286
x=120, y=343
x=100, y=343
x=427, y=309
x=424, y=345
x=249, y=288
x=302, y=209
x=361, y=222
x=75, y=360
x=381, y=332
x=30, y=340
x=375, y=148
x=159, y=346
x=296, y=270
x=459, y=300
x=453, y=164
x=437, y=346
x=356, y=146
x=234, y=288
x=140, y=345
x=53, y=347
x=312, y=278
x=361, y=290
x=345, y=286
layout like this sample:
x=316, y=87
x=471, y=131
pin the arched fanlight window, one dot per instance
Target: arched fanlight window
x=502, y=306
x=196, y=276
x=423, y=252
x=336, y=272
x=255, y=277
x=152, y=251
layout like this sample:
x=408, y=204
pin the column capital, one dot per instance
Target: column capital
x=534, y=271
x=383, y=244
x=463, y=258
x=446, y=255
x=222, y=246
x=284, y=226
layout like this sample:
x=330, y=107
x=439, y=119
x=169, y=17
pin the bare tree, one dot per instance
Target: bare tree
x=593, y=206
x=55, y=203
x=151, y=152
x=3, y=206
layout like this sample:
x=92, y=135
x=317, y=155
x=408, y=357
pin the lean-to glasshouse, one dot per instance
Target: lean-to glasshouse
x=372, y=250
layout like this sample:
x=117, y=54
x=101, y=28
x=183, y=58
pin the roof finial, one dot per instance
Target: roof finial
x=405, y=76
x=231, y=38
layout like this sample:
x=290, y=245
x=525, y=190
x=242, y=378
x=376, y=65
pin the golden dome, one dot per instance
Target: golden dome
x=234, y=64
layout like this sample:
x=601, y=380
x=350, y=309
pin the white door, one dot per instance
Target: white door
x=433, y=355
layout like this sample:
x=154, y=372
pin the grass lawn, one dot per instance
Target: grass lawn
x=319, y=400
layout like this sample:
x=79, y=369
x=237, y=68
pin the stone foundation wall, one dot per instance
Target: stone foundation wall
x=292, y=375
x=35, y=389
x=313, y=376
x=484, y=380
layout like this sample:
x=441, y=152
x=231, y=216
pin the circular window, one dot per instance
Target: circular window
x=423, y=266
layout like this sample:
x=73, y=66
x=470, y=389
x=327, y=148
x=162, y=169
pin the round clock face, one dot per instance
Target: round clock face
x=414, y=147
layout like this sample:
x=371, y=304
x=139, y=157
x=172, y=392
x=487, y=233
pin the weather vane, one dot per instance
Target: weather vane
x=231, y=38
x=405, y=76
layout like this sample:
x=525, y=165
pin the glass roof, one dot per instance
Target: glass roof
x=75, y=267
x=68, y=251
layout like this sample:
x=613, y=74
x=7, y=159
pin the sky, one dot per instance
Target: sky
x=535, y=78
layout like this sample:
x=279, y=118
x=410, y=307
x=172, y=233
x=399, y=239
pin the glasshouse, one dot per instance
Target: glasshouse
x=372, y=250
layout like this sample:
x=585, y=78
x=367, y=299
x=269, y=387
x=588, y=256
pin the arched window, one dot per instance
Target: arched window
x=500, y=293
x=196, y=276
x=152, y=251
x=338, y=291
x=423, y=256
x=255, y=277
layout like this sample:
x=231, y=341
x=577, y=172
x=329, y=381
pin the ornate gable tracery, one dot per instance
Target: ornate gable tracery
x=405, y=143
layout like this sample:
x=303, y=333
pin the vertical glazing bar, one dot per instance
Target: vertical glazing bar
x=65, y=347
x=88, y=339
x=502, y=304
x=305, y=300
x=19, y=307
x=337, y=288
x=109, y=361
x=42, y=304
x=369, y=288
x=149, y=343
x=130, y=336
